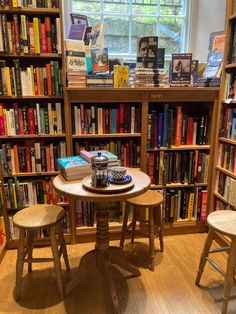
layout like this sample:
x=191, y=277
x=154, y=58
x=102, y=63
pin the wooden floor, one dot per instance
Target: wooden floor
x=170, y=289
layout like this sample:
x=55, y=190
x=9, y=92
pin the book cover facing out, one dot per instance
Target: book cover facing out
x=181, y=69
x=100, y=60
x=147, y=52
x=77, y=31
x=72, y=162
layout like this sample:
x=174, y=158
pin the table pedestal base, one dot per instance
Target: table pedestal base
x=97, y=264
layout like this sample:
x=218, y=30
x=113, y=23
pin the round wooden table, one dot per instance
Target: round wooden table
x=104, y=254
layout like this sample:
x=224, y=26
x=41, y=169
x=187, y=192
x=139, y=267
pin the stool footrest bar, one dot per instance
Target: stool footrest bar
x=220, y=270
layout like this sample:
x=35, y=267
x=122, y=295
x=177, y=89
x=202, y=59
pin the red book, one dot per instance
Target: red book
x=178, y=130
x=31, y=36
x=204, y=205
x=43, y=38
x=28, y=159
x=151, y=167
x=49, y=80
x=16, y=32
x=190, y=131
x=31, y=121
x=127, y=151
x=121, y=118
x=2, y=124
x=48, y=34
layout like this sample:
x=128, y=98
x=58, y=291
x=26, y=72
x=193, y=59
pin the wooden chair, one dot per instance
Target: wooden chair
x=221, y=222
x=29, y=220
x=151, y=200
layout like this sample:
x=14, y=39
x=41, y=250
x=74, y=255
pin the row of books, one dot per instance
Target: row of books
x=39, y=233
x=178, y=167
x=173, y=127
x=93, y=119
x=27, y=35
x=33, y=157
x=228, y=123
x=232, y=43
x=128, y=152
x=226, y=187
x=230, y=86
x=30, y=3
x=227, y=157
x=40, y=119
x=184, y=204
x=100, y=80
x=141, y=77
x=20, y=194
x=18, y=80
x=86, y=213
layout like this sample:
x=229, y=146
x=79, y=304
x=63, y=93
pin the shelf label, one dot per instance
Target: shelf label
x=156, y=96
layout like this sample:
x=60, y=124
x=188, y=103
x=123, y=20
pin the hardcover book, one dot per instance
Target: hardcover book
x=87, y=155
x=181, y=69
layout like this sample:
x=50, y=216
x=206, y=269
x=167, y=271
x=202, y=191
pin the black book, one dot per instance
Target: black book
x=181, y=69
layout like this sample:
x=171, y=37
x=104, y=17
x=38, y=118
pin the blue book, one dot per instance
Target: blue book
x=72, y=163
x=160, y=129
x=165, y=142
x=77, y=31
x=113, y=117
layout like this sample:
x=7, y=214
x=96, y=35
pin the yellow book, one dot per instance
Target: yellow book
x=36, y=34
x=121, y=76
x=2, y=231
x=24, y=34
x=15, y=3
x=190, y=205
x=8, y=81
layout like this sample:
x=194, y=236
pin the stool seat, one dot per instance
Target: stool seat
x=149, y=199
x=38, y=216
x=223, y=221
x=152, y=201
x=31, y=219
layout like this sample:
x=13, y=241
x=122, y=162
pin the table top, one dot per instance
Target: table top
x=75, y=189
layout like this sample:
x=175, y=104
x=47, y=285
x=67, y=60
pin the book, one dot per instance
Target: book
x=147, y=52
x=75, y=55
x=100, y=60
x=78, y=19
x=87, y=155
x=121, y=76
x=71, y=164
x=77, y=31
x=181, y=69
x=97, y=35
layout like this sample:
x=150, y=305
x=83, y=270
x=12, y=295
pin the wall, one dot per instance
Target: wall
x=207, y=16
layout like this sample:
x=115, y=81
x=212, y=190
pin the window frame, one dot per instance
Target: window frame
x=186, y=26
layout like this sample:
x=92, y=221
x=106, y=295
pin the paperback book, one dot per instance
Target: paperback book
x=77, y=31
x=100, y=60
x=181, y=69
x=72, y=164
x=147, y=52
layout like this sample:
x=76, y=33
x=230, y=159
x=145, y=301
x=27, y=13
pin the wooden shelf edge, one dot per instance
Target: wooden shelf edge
x=31, y=174
x=232, y=17
x=227, y=172
x=230, y=66
x=191, y=88
x=227, y=140
x=32, y=97
x=40, y=55
x=106, y=135
x=181, y=147
x=32, y=136
x=2, y=251
x=176, y=185
x=217, y=195
x=25, y=10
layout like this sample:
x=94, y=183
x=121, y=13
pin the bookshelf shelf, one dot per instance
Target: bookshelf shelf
x=41, y=55
x=31, y=97
x=31, y=11
x=182, y=147
x=230, y=66
x=227, y=140
x=32, y=136
x=32, y=174
x=227, y=172
x=107, y=135
x=217, y=195
x=177, y=185
x=232, y=17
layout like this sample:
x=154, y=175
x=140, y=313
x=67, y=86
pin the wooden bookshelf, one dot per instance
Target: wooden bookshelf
x=207, y=98
x=37, y=60
x=226, y=102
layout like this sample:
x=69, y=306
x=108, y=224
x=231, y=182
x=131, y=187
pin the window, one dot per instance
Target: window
x=128, y=19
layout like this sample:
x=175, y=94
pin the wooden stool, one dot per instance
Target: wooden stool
x=151, y=200
x=39, y=217
x=222, y=222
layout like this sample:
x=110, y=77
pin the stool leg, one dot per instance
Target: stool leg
x=63, y=246
x=124, y=226
x=229, y=276
x=135, y=215
x=160, y=227
x=30, y=248
x=151, y=238
x=19, y=263
x=204, y=255
x=56, y=260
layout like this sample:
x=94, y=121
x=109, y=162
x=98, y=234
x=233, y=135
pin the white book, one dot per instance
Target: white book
x=58, y=30
x=12, y=122
x=100, y=129
x=63, y=148
x=38, y=118
x=75, y=55
x=13, y=168
x=59, y=118
x=8, y=124
x=194, y=132
x=34, y=3
x=51, y=131
x=38, y=157
x=206, y=169
x=76, y=119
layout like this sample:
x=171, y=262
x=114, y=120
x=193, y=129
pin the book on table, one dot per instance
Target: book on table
x=73, y=167
x=112, y=158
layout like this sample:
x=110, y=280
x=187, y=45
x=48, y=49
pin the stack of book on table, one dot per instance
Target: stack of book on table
x=73, y=167
x=112, y=159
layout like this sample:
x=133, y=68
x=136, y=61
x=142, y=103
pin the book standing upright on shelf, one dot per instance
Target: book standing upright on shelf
x=181, y=69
